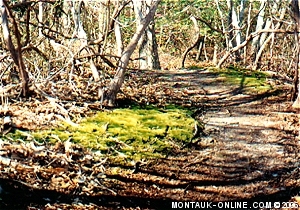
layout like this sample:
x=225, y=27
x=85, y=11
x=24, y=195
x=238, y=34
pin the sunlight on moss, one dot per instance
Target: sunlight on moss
x=125, y=134
x=251, y=81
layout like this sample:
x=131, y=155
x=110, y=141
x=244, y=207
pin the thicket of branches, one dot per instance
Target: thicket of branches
x=78, y=42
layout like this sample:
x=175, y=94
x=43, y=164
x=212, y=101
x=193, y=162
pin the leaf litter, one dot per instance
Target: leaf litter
x=248, y=151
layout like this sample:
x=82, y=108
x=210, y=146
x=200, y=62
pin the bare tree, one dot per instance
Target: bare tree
x=234, y=29
x=265, y=40
x=260, y=42
x=116, y=83
x=118, y=33
x=196, y=44
x=259, y=26
x=16, y=53
x=147, y=44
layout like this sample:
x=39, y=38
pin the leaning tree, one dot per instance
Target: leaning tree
x=115, y=85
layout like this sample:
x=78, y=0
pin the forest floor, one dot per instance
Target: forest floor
x=249, y=150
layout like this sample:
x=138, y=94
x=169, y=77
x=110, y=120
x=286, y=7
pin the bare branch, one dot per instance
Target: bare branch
x=248, y=39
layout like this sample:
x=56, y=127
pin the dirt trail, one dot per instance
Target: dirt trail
x=248, y=151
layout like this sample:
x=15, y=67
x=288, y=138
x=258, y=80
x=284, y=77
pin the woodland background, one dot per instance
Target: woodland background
x=72, y=41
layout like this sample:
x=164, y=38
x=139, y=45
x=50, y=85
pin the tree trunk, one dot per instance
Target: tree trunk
x=196, y=43
x=40, y=18
x=234, y=30
x=260, y=42
x=147, y=44
x=16, y=53
x=263, y=45
x=259, y=26
x=119, y=37
x=118, y=34
x=78, y=31
x=223, y=24
x=116, y=83
x=296, y=16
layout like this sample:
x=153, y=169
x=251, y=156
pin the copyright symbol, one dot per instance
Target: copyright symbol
x=276, y=204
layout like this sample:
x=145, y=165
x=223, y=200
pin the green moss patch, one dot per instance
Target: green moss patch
x=250, y=81
x=125, y=134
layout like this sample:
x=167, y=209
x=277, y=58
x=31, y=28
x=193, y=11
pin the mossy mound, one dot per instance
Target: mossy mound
x=125, y=134
x=249, y=80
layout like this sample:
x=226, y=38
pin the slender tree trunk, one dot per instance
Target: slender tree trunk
x=296, y=16
x=79, y=31
x=118, y=34
x=116, y=83
x=259, y=26
x=223, y=24
x=119, y=37
x=147, y=44
x=40, y=18
x=16, y=53
x=248, y=29
x=267, y=40
x=104, y=16
x=260, y=42
x=234, y=30
x=196, y=42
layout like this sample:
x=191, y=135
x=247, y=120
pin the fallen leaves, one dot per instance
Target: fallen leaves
x=63, y=167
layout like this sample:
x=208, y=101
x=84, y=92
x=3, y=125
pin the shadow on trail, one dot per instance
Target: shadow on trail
x=221, y=171
x=242, y=100
x=15, y=195
x=227, y=170
x=194, y=88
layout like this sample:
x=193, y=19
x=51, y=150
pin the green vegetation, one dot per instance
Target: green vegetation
x=250, y=81
x=125, y=134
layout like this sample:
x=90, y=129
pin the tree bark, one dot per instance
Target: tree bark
x=118, y=34
x=262, y=46
x=296, y=16
x=247, y=40
x=116, y=83
x=119, y=38
x=234, y=30
x=196, y=43
x=260, y=42
x=16, y=53
x=259, y=26
x=147, y=44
